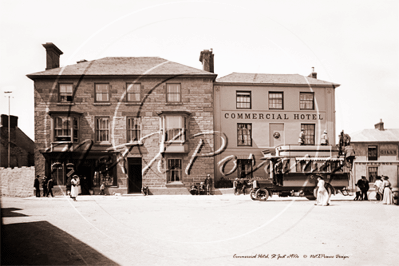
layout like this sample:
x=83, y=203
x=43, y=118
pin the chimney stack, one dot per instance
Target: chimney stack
x=313, y=74
x=379, y=126
x=53, y=55
x=206, y=58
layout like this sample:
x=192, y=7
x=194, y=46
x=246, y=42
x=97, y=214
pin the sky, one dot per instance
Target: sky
x=352, y=43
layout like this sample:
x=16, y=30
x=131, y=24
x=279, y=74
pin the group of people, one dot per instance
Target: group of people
x=47, y=186
x=382, y=186
x=383, y=190
x=204, y=187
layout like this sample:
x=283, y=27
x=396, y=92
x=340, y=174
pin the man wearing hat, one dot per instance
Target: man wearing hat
x=363, y=185
x=324, y=138
x=37, y=186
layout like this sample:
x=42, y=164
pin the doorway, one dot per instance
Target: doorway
x=134, y=175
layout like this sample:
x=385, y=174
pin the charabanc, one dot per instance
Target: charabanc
x=294, y=169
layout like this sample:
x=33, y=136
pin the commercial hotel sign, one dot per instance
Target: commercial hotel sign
x=273, y=116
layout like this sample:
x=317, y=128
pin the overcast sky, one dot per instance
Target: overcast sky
x=352, y=43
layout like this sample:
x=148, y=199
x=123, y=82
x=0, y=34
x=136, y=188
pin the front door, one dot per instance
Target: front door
x=134, y=175
x=276, y=134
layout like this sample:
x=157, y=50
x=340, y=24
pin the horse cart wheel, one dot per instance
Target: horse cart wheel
x=262, y=194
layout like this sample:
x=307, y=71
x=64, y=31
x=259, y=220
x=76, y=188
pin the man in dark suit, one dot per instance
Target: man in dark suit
x=37, y=186
x=366, y=188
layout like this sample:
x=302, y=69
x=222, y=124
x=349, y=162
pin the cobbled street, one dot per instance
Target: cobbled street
x=197, y=230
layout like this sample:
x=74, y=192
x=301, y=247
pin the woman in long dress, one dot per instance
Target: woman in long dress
x=74, y=187
x=322, y=193
x=387, y=194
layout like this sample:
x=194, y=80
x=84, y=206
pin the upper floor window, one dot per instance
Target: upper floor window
x=174, y=128
x=66, y=128
x=133, y=129
x=306, y=101
x=372, y=153
x=243, y=100
x=309, y=131
x=65, y=93
x=102, y=92
x=173, y=93
x=102, y=126
x=276, y=100
x=133, y=92
x=244, y=134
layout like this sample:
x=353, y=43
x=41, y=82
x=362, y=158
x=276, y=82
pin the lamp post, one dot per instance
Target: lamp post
x=9, y=129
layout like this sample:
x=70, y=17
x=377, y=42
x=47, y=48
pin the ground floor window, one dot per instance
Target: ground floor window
x=309, y=130
x=244, y=168
x=372, y=173
x=244, y=134
x=174, y=171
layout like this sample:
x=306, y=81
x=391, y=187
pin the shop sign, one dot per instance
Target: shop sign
x=273, y=116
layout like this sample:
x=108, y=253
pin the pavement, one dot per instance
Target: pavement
x=197, y=230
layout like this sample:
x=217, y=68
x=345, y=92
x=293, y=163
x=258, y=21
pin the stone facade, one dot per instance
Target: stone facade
x=17, y=182
x=151, y=152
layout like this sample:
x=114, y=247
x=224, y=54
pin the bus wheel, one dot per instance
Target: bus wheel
x=262, y=194
x=252, y=194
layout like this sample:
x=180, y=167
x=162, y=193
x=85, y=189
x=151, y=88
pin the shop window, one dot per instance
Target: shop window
x=276, y=100
x=306, y=101
x=102, y=129
x=133, y=129
x=133, y=92
x=173, y=93
x=243, y=100
x=65, y=93
x=102, y=92
x=372, y=153
x=244, y=168
x=174, y=171
x=372, y=174
x=309, y=131
x=66, y=129
x=244, y=134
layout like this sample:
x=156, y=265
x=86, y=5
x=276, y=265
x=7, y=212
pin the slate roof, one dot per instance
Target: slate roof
x=121, y=66
x=375, y=135
x=272, y=79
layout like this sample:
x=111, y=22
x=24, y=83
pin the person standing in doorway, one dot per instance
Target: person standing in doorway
x=50, y=185
x=44, y=186
x=37, y=186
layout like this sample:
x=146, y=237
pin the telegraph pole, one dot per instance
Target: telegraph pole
x=9, y=130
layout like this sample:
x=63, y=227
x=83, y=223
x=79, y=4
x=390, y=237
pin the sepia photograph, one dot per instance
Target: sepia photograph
x=196, y=132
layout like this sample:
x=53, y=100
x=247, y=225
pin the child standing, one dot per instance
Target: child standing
x=102, y=187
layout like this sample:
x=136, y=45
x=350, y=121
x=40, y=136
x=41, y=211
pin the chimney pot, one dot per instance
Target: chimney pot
x=206, y=58
x=52, y=55
x=379, y=126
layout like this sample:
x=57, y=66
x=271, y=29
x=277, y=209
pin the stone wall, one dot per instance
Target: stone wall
x=17, y=182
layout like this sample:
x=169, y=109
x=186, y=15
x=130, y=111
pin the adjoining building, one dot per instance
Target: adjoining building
x=21, y=152
x=126, y=121
x=255, y=113
x=376, y=154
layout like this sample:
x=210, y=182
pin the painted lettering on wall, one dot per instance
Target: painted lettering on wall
x=274, y=116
